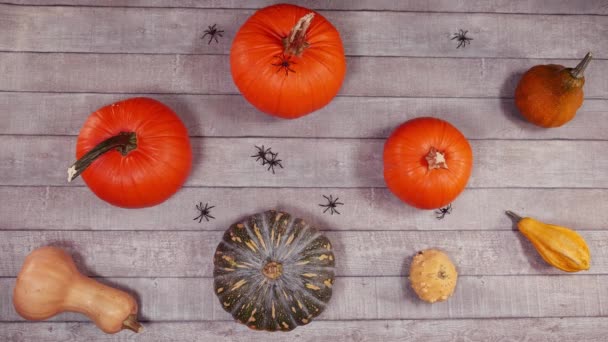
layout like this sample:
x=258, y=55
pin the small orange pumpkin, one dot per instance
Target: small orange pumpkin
x=427, y=162
x=549, y=95
x=287, y=61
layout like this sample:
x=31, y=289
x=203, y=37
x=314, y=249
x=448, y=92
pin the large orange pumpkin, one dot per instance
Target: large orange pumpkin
x=427, y=162
x=287, y=61
x=133, y=153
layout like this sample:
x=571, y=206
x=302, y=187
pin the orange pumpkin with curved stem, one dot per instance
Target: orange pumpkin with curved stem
x=133, y=153
x=287, y=61
x=427, y=162
x=549, y=95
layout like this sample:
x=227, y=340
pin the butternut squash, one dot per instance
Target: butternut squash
x=49, y=284
x=560, y=247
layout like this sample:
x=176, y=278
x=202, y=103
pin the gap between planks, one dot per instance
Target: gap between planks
x=317, y=8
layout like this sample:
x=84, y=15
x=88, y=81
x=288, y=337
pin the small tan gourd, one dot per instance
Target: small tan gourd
x=49, y=284
x=433, y=276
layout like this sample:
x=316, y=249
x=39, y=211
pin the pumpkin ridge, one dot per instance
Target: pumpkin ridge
x=291, y=253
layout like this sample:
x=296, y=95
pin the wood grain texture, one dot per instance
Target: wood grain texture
x=42, y=160
x=370, y=253
x=192, y=299
x=210, y=74
x=44, y=208
x=61, y=62
x=523, y=330
x=149, y=30
x=501, y=6
x=217, y=115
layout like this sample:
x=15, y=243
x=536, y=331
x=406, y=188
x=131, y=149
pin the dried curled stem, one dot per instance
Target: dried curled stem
x=295, y=43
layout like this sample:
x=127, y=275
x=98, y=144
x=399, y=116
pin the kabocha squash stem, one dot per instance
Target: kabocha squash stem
x=295, y=43
x=124, y=142
x=579, y=70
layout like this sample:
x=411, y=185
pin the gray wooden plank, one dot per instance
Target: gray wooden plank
x=344, y=117
x=535, y=329
x=210, y=74
x=502, y=6
x=150, y=30
x=369, y=298
x=44, y=208
x=43, y=160
x=370, y=253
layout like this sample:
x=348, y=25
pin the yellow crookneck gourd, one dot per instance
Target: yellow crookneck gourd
x=561, y=247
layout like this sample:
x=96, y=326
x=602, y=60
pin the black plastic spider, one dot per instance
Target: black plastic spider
x=441, y=212
x=331, y=205
x=273, y=162
x=284, y=63
x=205, y=212
x=261, y=154
x=213, y=33
x=462, y=38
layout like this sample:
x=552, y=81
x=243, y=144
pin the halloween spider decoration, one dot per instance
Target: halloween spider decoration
x=331, y=205
x=267, y=157
x=441, y=212
x=461, y=37
x=213, y=32
x=261, y=154
x=284, y=63
x=204, y=212
x=273, y=162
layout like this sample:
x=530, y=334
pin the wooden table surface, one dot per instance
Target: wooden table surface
x=60, y=60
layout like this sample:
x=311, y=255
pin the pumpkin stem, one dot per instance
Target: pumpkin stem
x=578, y=71
x=124, y=142
x=131, y=323
x=436, y=159
x=272, y=270
x=513, y=215
x=295, y=43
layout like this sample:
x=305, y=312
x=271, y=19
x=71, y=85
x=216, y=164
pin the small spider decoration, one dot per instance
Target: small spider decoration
x=213, y=32
x=462, y=38
x=441, y=212
x=267, y=157
x=273, y=162
x=204, y=212
x=331, y=205
x=284, y=63
x=261, y=154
